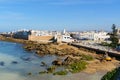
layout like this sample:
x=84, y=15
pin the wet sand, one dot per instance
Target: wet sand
x=78, y=76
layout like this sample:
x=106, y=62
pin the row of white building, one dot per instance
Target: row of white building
x=40, y=35
x=63, y=36
x=58, y=36
x=97, y=36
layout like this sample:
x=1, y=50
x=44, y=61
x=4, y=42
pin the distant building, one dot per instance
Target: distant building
x=67, y=38
x=64, y=37
x=41, y=36
x=101, y=36
x=21, y=34
x=93, y=35
x=64, y=31
x=118, y=33
x=48, y=38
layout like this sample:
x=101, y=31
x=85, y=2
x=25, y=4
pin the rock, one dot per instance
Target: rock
x=41, y=53
x=14, y=62
x=43, y=64
x=60, y=53
x=26, y=58
x=57, y=62
x=69, y=60
x=2, y=63
x=37, y=52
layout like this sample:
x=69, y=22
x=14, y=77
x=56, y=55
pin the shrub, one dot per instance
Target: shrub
x=29, y=73
x=42, y=72
x=87, y=57
x=111, y=75
x=60, y=73
x=105, y=44
x=77, y=66
x=51, y=69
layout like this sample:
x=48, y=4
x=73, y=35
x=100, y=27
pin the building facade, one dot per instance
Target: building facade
x=93, y=35
x=21, y=34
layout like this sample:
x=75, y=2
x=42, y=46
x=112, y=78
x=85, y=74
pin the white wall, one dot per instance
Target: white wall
x=66, y=38
x=95, y=36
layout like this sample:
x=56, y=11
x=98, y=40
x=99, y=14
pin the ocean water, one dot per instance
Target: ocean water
x=16, y=63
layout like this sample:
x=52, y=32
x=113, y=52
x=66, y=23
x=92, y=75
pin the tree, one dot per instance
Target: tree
x=114, y=37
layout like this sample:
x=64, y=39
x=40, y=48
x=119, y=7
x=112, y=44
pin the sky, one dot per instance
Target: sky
x=72, y=15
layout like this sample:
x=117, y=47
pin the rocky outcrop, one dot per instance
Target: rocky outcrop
x=57, y=62
x=69, y=60
x=43, y=64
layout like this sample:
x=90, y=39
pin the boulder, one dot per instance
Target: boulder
x=2, y=63
x=70, y=59
x=14, y=62
x=43, y=64
x=57, y=62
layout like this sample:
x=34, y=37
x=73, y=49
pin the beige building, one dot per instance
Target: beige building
x=41, y=38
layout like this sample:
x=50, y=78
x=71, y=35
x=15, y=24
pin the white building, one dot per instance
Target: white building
x=101, y=36
x=39, y=33
x=118, y=33
x=44, y=33
x=67, y=38
x=93, y=35
x=64, y=37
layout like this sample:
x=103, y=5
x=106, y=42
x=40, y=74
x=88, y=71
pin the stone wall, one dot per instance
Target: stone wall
x=40, y=38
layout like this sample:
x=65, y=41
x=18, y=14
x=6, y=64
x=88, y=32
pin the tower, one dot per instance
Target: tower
x=64, y=31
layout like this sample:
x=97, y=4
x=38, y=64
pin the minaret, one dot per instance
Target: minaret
x=64, y=31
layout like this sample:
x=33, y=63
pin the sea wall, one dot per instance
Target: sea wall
x=40, y=38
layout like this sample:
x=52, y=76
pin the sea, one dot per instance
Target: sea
x=18, y=64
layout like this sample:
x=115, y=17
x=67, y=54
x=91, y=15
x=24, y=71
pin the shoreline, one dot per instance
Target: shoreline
x=92, y=68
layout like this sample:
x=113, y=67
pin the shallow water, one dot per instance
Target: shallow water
x=16, y=63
